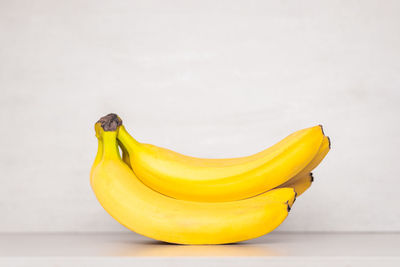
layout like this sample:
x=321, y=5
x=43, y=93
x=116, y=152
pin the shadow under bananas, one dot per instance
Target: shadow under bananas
x=153, y=248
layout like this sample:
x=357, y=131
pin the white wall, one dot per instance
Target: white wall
x=205, y=78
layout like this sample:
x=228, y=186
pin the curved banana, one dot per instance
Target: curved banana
x=125, y=154
x=300, y=185
x=154, y=215
x=302, y=181
x=212, y=180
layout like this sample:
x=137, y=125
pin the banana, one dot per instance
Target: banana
x=302, y=181
x=322, y=152
x=125, y=154
x=214, y=180
x=160, y=217
x=299, y=185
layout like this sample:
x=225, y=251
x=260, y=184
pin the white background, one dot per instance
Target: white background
x=204, y=78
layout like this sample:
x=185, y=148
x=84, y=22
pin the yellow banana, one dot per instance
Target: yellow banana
x=300, y=185
x=125, y=154
x=322, y=152
x=154, y=215
x=213, y=180
x=302, y=181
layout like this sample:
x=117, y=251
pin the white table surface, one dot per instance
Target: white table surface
x=128, y=249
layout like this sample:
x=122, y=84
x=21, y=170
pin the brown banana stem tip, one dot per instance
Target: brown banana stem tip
x=329, y=140
x=288, y=206
x=295, y=197
x=322, y=128
x=311, y=177
x=110, y=122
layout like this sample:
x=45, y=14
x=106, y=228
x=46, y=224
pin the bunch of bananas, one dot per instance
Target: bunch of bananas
x=175, y=198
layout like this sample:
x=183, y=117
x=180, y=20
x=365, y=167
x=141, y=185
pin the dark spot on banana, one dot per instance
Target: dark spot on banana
x=288, y=206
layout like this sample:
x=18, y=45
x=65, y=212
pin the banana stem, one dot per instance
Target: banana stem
x=106, y=132
x=126, y=138
x=110, y=146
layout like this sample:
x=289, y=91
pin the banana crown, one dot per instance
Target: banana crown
x=110, y=122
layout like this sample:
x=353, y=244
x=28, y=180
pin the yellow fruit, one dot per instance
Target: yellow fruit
x=322, y=152
x=213, y=180
x=125, y=154
x=302, y=181
x=300, y=185
x=154, y=215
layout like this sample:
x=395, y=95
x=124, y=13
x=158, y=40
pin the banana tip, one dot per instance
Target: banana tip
x=288, y=206
x=322, y=128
